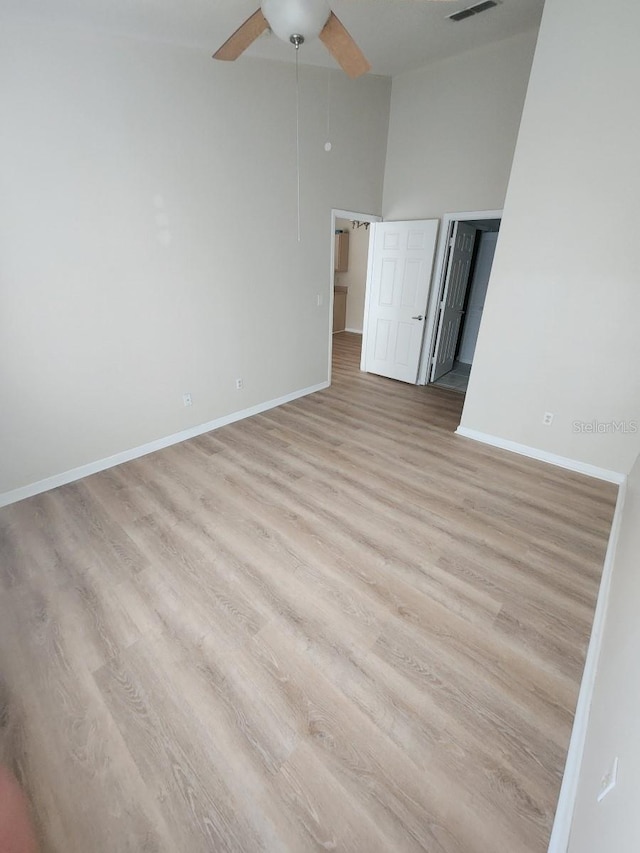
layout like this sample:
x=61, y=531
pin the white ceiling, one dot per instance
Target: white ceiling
x=395, y=35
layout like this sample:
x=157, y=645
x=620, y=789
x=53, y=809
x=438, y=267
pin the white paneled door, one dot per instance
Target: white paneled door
x=452, y=305
x=400, y=265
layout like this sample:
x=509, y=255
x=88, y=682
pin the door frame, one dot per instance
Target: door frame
x=337, y=213
x=438, y=281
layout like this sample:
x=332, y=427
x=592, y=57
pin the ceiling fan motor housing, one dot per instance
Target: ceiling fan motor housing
x=303, y=19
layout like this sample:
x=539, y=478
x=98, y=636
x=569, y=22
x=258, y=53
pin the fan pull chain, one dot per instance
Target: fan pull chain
x=298, y=138
x=328, y=105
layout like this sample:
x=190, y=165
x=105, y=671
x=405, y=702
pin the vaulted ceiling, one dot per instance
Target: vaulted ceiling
x=395, y=35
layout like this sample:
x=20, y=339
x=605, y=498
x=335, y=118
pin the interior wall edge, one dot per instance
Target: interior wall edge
x=544, y=456
x=64, y=477
x=561, y=830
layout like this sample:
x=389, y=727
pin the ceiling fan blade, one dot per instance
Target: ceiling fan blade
x=342, y=47
x=245, y=35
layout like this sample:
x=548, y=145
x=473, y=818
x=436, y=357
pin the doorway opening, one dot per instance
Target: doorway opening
x=350, y=268
x=463, y=271
x=350, y=234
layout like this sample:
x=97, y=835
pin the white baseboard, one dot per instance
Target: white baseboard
x=355, y=331
x=560, y=834
x=561, y=831
x=65, y=477
x=544, y=456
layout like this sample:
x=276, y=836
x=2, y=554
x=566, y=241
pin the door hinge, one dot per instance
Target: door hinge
x=452, y=242
x=442, y=305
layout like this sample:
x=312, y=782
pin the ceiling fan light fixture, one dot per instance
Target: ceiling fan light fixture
x=303, y=19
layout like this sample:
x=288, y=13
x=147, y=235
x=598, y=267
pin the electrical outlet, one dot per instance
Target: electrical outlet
x=186, y=400
x=239, y=384
x=547, y=420
x=608, y=781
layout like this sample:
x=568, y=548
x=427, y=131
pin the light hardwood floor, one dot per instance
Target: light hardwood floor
x=334, y=626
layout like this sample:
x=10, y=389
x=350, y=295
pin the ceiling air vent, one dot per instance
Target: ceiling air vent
x=472, y=10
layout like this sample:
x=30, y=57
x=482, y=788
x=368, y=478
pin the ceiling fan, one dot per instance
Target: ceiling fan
x=297, y=21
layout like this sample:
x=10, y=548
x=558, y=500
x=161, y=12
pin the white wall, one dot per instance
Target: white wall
x=356, y=276
x=453, y=129
x=614, y=730
x=560, y=326
x=148, y=237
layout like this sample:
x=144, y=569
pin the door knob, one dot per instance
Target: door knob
x=417, y=317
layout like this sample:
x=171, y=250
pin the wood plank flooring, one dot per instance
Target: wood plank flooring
x=334, y=626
